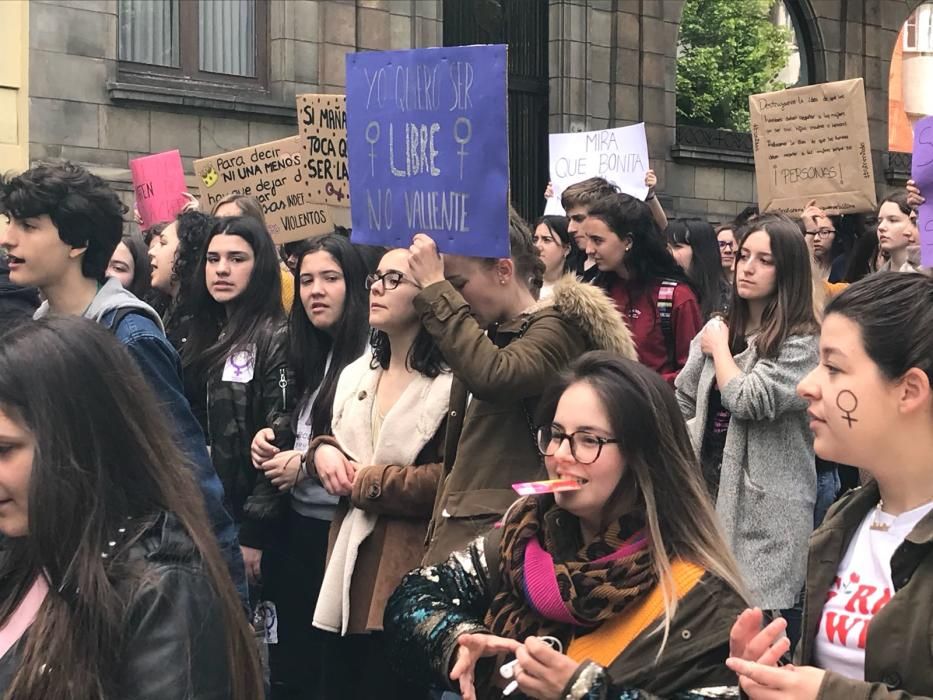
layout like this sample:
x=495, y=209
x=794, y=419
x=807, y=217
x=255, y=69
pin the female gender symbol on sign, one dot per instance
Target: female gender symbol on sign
x=852, y=402
x=372, y=137
x=462, y=139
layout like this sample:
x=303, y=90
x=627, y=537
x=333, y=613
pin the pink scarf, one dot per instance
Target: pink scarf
x=24, y=615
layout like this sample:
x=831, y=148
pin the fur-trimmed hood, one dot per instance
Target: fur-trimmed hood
x=591, y=310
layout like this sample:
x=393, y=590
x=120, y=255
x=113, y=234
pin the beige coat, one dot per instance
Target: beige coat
x=377, y=535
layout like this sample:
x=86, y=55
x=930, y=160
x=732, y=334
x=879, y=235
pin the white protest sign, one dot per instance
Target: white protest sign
x=618, y=155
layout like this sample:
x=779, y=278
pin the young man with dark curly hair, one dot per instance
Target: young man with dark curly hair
x=64, y=224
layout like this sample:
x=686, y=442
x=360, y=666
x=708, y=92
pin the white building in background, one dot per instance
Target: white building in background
x=917, y=70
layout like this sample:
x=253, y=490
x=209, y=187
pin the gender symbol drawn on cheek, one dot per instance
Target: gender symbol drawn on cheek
x=851, y=403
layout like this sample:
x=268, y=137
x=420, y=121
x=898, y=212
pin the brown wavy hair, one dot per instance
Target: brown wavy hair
x=790, y=311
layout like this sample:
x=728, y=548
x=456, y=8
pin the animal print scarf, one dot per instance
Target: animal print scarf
x=551, y=583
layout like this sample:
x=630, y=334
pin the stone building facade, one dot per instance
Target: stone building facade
x=609, y=63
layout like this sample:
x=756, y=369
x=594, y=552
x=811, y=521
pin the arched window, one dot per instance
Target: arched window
x=797, y=70
x=730, y=49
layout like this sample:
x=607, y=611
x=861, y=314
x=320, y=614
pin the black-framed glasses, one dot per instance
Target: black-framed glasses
x=822, y=232
x=390, y=280
x=726, y=245
x=585, y=447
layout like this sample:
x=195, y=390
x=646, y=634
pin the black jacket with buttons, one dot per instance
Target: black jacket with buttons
x=899, y=647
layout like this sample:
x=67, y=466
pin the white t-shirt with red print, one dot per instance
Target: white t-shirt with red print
x=863, y=586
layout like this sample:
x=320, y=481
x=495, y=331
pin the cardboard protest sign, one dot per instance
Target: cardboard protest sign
x=812, y=143
x=272, y=173
x=921, y=172
x=428, y=143
x=322, y=126
x=618, y=155
x=159, y=183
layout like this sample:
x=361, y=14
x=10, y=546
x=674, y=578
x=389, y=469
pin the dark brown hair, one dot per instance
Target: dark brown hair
x=97, y=463
x=790, y=310
x=894, y=311
x=529, y=267
x=583, y=194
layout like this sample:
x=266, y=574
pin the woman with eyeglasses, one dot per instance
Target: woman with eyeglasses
x=620, y=588
x=502, y=346
x=822, y=242
x=383, y=460
x=327, y=331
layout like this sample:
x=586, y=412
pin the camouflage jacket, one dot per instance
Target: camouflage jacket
x=240, y=404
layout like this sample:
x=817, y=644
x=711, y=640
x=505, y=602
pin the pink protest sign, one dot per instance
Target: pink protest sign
x=922, y=174
x=159, y=183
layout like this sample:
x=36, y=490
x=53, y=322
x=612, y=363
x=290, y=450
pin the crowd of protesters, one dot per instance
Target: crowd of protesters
x=231, y=469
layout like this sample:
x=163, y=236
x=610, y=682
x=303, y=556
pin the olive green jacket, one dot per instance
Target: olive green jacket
x=899, y=649
x=498, y=378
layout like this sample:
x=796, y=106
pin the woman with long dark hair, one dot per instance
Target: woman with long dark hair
x=867, y=618
x=328, y=329
x=130, y=264
x=650, y=290
x=747, y=425
x=111, y=582
x=694, y=245
x=385, y=461
x=559, y=251
x=629, y=577
x=245, y=205
x=240, y=345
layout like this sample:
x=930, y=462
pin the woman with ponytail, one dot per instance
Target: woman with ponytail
x=502, y=347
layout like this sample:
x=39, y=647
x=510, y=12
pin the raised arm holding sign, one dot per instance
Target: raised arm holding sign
x=428, y=147
x=922, y=175
x=618, y=155
x=159, y=184
x=811, y=143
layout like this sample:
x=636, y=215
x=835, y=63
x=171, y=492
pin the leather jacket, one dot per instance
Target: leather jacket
x=175, y=646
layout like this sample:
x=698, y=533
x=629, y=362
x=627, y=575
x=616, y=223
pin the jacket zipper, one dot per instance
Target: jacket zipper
x=283, y=385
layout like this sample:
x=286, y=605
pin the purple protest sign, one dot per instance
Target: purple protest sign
x=428, y=148
x=922, y=173
x=159, y=182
